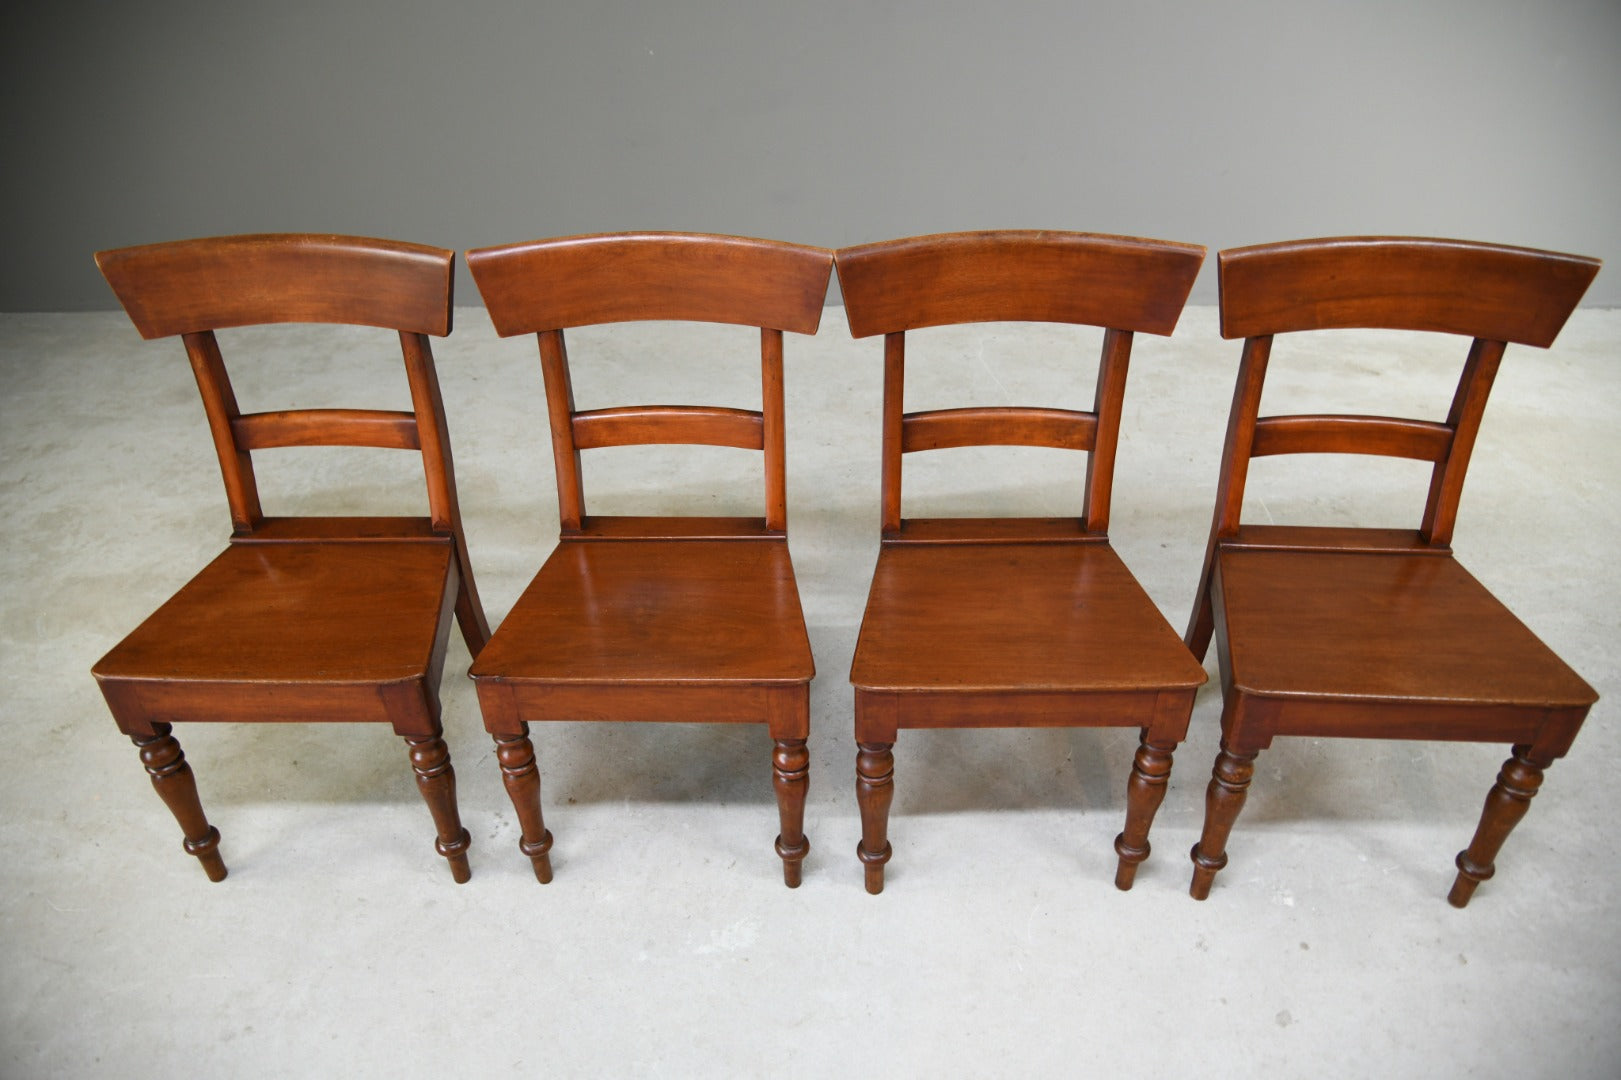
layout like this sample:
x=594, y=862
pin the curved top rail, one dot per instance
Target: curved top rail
x=1016, y=275
x=1478, y=290
x=186, y=286
x=627, y=277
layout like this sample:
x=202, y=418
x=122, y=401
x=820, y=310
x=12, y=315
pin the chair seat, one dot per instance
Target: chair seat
x=619, y=612
x=1015, y=617
x=1381, y=628
x=269, y=625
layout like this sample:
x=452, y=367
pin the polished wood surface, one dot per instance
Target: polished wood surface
x=1377, y=633
x=302, y=619
x=1014, y=617
x=657, y=611
x=1475, y=290
x=189, y=286
x=1321, y=625
x=1013, y=622
x=626, y=277
x=1016, y=276
x=655, y=619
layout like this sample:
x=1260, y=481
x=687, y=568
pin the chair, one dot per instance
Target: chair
x=301, y=618
x=1377, y=633
x=1013, y=622
x=655, y=618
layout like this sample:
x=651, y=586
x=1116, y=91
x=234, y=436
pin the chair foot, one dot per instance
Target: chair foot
x=790, y=776
x=172, y=779
x=1145, y=790
x=1506, y=803
x=436, y=780
x=875, y=789
x=1224, y=798
x=521, y=778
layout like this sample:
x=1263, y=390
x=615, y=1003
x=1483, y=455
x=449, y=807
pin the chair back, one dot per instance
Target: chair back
x=195, y=287
x=549, y=286
x=1489, y=293
x=1122, y=284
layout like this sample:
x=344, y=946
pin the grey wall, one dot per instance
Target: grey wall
x=831, y=122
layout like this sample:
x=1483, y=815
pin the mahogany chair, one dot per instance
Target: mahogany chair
x=655, y=618
x=1377, y=633
x=301, y=618
x=1013, y=622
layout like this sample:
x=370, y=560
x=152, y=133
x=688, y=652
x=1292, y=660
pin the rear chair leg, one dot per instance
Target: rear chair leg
x=790, y=775
x=430, y=760
x=1506, y=804
x=522, y=779
x=1145, y=790
x=875, y=789
x=172, y=779
x=1224, y=798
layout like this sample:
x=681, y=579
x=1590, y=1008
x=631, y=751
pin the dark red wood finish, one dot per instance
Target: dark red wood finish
x=1013, y=622
x=655, y=618
x=306, y=619
x=1377, y=633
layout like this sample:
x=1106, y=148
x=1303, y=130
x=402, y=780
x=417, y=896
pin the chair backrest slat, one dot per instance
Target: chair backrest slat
x=1476, y=290
x=219, y=282
x=1016, y=276
x=1062, y=429
x=1122, y=284
x=1342, y=434
x=548, y=286
x=327, y=427
x=630, y=277
x=695, y=425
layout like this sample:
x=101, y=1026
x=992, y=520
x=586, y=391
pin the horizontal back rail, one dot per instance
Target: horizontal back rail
x=1383, y=435
x=188, y=286
x=698, y=425
x=1016, y=276
x=627, y=277
x=327, y=427
x=1477, y=290
x=1064, y=429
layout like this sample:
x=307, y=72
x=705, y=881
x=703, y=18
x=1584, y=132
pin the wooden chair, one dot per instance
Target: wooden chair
x=1013, y=622
x=301, y=618
x=655, y=618
x=1377, y=633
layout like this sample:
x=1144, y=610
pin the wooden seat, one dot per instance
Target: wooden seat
x=1377, y=633
x=306, y=619
x=655, y=618
x=1013, y=622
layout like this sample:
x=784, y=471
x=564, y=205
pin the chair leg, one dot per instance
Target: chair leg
x=430, y=760
x=172, y=779
x=875, y=788
x=1224, y=798
x=790, y=776
x=522, y=779
x=1506, y=804
x=1145, y=790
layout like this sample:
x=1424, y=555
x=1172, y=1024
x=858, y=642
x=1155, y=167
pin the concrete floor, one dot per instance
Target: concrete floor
x=667, y=944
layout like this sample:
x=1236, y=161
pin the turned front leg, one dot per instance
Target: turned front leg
x=875, y=789
x=172, y=779
x=1506, y=804
x=522, y=780
x=1224, y=798
x=1145, y=790
x=790, y=776
x=430, y=760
